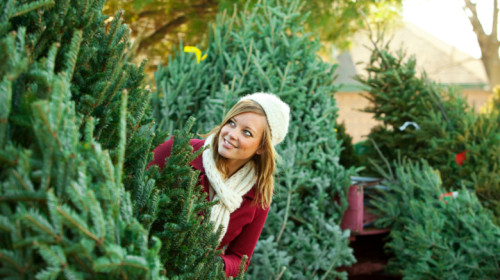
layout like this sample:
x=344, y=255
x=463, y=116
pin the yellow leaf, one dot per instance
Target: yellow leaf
x=196, y=51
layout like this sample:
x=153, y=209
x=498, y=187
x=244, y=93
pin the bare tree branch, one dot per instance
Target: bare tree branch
x=494, y=29
x=148, y=13
x=160, y=33
x=488, y=44
x=474, y=20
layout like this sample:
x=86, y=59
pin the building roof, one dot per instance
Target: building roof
x=442, y=62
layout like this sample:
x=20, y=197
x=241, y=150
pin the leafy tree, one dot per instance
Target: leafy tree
x=337, y=21
x=157, y=25
x=265, y=48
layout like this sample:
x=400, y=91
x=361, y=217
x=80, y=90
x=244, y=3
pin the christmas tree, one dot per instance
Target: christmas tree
x=76, y=200
x=266, y=49
x=64, y=211
x=422, y=120
x=400, y=100
x=189, y=249
x=436, y=234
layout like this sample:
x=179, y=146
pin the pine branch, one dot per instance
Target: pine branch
x=28, y=7
x=11, y=258
x=41, y=224
x=74, y=220
x=122, y=128
x=72, y=54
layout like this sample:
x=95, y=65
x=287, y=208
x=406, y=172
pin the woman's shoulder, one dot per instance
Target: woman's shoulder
x=251, y=193
x=251, y=203
x=197, y=144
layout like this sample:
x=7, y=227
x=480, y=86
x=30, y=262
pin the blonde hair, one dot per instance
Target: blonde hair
x=264, y=163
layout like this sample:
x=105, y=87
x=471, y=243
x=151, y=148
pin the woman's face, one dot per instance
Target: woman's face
x=240, y=138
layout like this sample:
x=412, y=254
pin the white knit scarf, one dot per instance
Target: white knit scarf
x=229, y=193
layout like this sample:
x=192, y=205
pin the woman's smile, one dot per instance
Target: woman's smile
x=228, y=144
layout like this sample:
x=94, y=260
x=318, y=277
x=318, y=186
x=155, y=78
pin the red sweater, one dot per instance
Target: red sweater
x=245, y=224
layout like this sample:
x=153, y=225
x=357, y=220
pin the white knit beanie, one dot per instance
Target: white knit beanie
x=277, y=113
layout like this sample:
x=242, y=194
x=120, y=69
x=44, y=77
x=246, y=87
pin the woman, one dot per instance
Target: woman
x=237, y=171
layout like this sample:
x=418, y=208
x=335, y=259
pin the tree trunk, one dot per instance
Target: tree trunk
x=488, y=43
x=491, y=63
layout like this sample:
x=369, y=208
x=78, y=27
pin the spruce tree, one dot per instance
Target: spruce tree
x=422, y=120
x=64, y=211
x=189, y=249
x=399, y=100
x=436, y=234
x=266, y=49
x=76, y=200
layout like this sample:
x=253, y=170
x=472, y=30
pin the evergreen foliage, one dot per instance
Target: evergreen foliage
x=447, y=127
x=77, y=133
x=436, y=237
x=348, y=156
x=266, y=49
x=189, y=249
x=64, y=210
x=397, y=96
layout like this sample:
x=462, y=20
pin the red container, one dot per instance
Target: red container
x=366, y=240
x=353, y=216
x=357, y=217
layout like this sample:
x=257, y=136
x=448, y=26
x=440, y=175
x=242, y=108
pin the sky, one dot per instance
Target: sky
x=446, y=20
